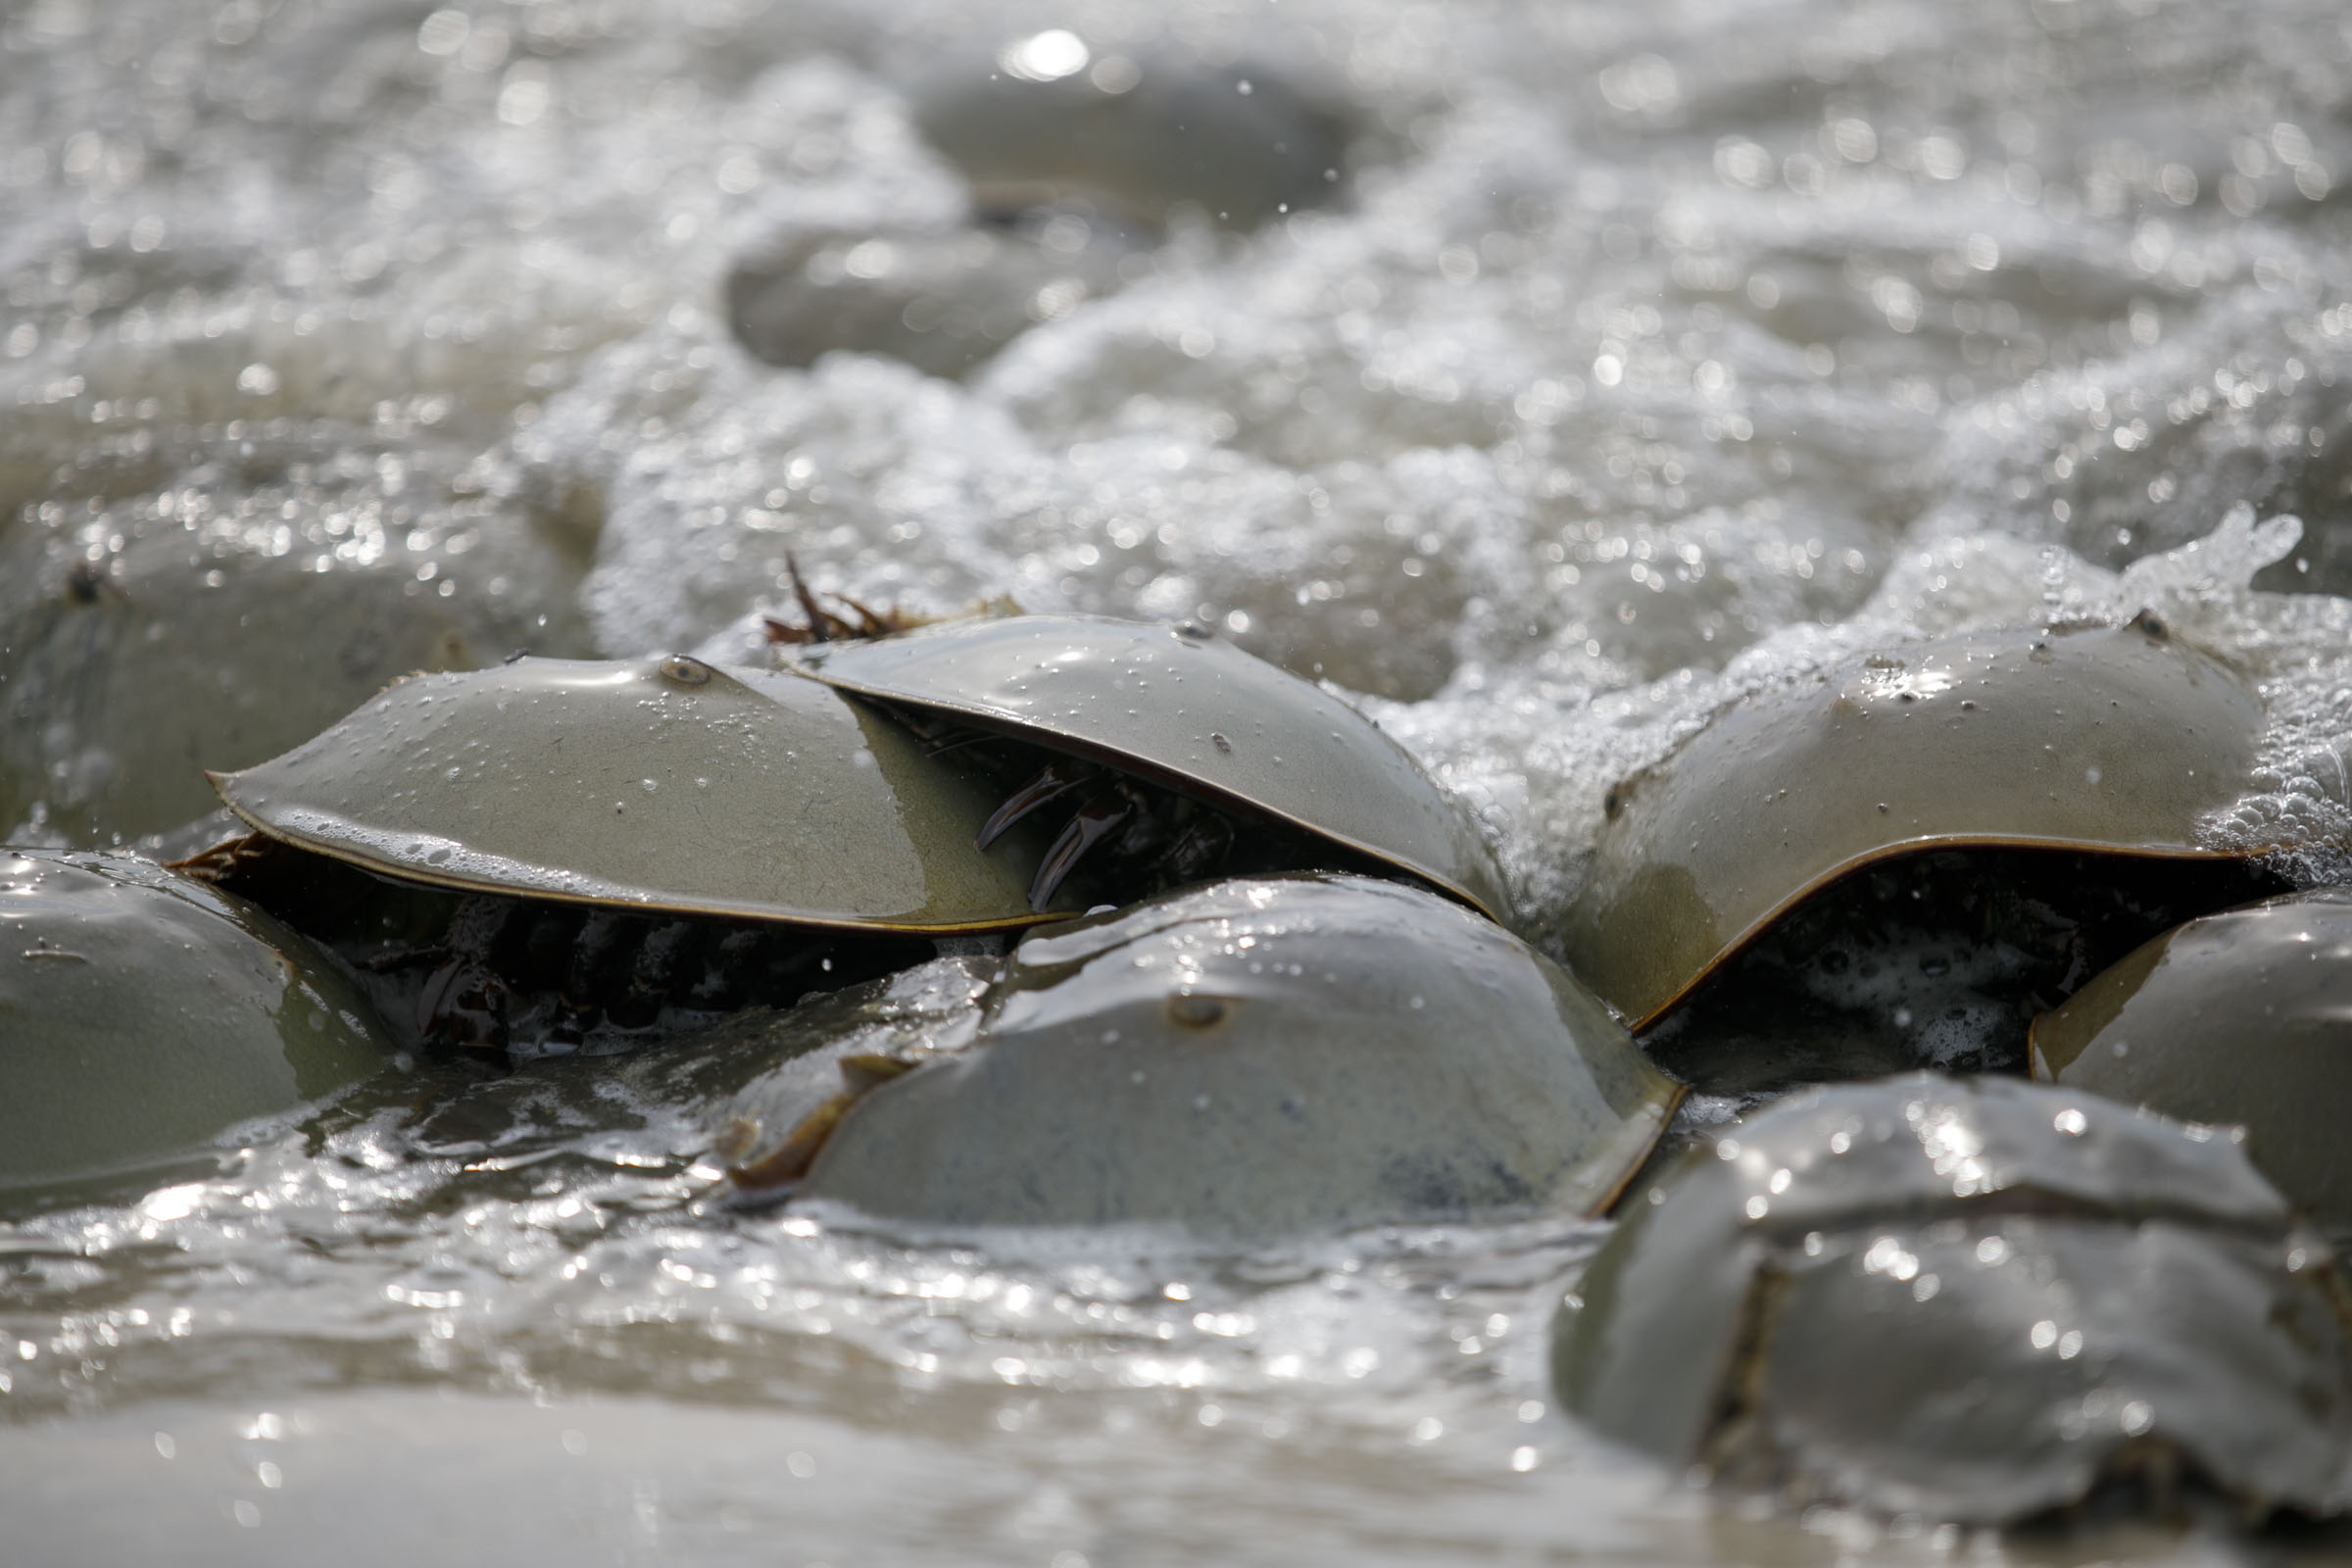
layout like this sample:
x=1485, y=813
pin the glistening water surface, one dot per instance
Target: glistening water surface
x=1630, y=357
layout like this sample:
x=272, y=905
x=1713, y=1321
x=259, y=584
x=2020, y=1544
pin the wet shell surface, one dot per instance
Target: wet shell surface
x=1182, y=708
x=112, y=685
x=1251, y=1059
x=2112, y=739
x=1967, y=1299
x=143, y=1014
x=1047, y=121
x=664, y=783
x=2242, y=1017
x=942, y=297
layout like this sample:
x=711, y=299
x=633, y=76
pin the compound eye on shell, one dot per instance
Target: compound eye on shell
x=682, y=669
x=1188, y=1010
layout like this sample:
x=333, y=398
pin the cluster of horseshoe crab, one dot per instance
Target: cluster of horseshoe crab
x=1239, y=968
x=1076, y=166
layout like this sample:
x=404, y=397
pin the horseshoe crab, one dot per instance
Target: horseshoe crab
x=1137, y=725
x=271, y=585
x=1047, y=119
x=1975, y=1299
x=2238, y=1017
x=1077, y=168
x=1257, y=1057
x=142, y=1015
x=633, y=834
x=2042, y=790
x=943, y=296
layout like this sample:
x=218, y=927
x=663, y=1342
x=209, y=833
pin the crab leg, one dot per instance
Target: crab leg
x=820, y=625
x=463, y=1004
x=1095, y=820
x=1203, y=841
x=1055, y=780
x=954, y=740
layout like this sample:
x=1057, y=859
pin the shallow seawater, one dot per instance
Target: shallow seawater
x=1629, y=359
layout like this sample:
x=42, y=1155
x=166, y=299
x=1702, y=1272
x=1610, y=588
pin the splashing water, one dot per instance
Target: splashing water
x=1634, y=359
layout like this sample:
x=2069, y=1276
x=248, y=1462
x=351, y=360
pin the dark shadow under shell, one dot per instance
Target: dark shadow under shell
x=534, y=977
x=1182, y=709
x=1112, y=836
x=1936, y=959
x=2116, y=741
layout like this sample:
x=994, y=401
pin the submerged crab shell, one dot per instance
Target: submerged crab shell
x=1242, y=143
x=1864, y=1274
x=142, y=1015
x=2204, y=1340
x=2112, y=739
x=1261, y=1057
x=2242, y=1017
x=1186, y=709
x=666, y=783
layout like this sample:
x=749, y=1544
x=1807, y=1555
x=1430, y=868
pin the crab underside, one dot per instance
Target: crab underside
x=1940, y=959
x=484, y=973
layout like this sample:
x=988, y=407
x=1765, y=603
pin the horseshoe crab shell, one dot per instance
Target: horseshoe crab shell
x=1973, y=1298
x=2239, y=1018
x=1184, y=709
x=142, y=1015
x=1255, y=1057
x=2113, y=740
x=666, y=783
x=1241, y=144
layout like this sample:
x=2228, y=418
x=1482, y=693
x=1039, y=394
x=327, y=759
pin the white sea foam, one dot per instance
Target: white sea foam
x=1646, y=355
